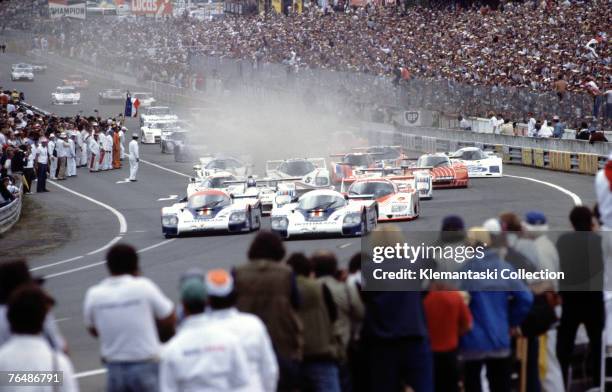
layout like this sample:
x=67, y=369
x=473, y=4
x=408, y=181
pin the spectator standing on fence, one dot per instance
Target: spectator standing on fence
x=582, y=262
x=42, y=161
x=593, y=89
x=531, y=122
x=266, y=287
x=248, y=328
x=129, y=314
x=203, y=356
x=28, y=350
x=560, y=87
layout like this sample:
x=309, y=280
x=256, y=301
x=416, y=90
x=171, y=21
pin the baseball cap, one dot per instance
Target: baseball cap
x=219, y=283
x=535, y=221
x=193, y=290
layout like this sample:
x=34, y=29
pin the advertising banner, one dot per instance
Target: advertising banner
x=67, y=8
x=152, y=7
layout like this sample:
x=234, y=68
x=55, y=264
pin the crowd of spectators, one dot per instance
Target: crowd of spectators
x=549, y=58
x=293, y=322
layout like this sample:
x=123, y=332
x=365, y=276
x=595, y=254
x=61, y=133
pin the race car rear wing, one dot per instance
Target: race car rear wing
x=359, y=197
x=367, y=148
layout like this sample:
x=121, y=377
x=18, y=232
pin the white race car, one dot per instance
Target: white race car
x=111, y=95
x=65, y=95
x=151, y=130
x=211, y=211
x=395, y=201
x=417, y=179
x=323, y=213
x=312, y=173
x=479, y=163
x=22, y=72
x=220, y=180
x=145, y=100
x=157, y=113
x=209, y=165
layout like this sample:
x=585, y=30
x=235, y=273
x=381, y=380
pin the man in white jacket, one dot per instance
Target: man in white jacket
x=134, y=157
x=72, y=155
x=94, y=149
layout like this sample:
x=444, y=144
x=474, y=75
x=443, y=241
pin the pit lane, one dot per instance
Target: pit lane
x=164, y=261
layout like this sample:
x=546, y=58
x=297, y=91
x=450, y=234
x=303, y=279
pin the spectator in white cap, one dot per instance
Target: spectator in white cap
x=203, y=356
x=248, y=328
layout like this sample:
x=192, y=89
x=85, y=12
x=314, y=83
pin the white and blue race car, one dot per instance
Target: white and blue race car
x=323, y=213
x=211, y=210
x=311, y=173
x=479, y=163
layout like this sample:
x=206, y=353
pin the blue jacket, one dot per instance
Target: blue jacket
x=394, y=315
x=496, y=305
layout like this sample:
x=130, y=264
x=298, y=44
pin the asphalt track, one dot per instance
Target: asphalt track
x=102, y=205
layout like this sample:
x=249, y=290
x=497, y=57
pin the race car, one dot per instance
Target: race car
x=157, y=113
x=77, y=81
x=221, y=180
x=343, y=169
x=64, y=95
x=211, y=211
x=22, y=72
x=323, y=212
x=171, y=138
x=414, y=178
x=312, y=173
x=39, y=67
x=111, y=95
x=144, y=99
x=444, y=173
x=394, y=202
x=479, y=163
x=151, y=131
x=385, y=155
x=209, y=165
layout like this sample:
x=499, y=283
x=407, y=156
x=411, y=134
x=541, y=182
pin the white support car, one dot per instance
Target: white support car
x=22, y=72
x=151, y=131
x=479, y=163
x=65, y=95
x=144, y=99
x=157, y=113
x=211, y=211
x=312, y=173
x=323, y=213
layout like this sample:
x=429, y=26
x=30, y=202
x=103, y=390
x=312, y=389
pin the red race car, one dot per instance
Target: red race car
x=444, y=172
x=77, y=81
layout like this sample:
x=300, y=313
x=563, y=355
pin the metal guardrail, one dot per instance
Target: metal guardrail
x=560, y=155
x=10, y=213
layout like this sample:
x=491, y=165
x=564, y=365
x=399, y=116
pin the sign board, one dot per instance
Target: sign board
x=152, y=7
x=67, y=8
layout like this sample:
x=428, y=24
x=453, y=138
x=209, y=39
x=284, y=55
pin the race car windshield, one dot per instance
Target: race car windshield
x=472, y=155
x=321, y=202
x=65, y=90
x=223, y=164
x=378, y=188
x=218, y=182
x=357, y=160
x=142, y=96
x=296, y=168
x=385, y=152
x=159, y=111
x=197, y=202
x=433, y=161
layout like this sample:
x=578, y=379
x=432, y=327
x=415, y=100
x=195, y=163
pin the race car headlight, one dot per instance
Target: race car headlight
x=321, y=181
x=282, y=199
x=279, y=223
x=398, y=207
x=352, y=219
x=239, y=216
x=169, y=220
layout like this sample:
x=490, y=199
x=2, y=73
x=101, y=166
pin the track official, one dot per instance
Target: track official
x=134, y=157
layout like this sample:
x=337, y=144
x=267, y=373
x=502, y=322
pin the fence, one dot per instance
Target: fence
x=554, y=154
x=10, y=213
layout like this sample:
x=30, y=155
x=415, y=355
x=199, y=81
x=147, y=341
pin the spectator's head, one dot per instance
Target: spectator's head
x=355, y=263
x=535, y=222
x=193, y=296
x=267, y=246
x=27, y=309
x=510, y=222
x=324, y=263
x=453, y=229
x=122, y=259
x=220, y=289
x=479, y=236
x=493, y=226
x=459, y=118
x=584, y=125
x=581, y=218
x=300, y=264
x=13, y=274
x=556, y=119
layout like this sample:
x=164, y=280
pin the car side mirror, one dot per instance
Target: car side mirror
x=192, y=180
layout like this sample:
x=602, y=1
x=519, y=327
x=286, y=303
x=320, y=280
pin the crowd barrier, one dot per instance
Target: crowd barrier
x=10, y=213
x=553, y=154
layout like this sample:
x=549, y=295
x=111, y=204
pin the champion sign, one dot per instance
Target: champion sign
x=68, y=9
x=152, y=7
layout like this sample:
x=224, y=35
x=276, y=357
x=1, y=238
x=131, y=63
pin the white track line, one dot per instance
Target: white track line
x=575, y=198
x=56, y=263
x=165, y=168
x=108, y=245
x=90, y=373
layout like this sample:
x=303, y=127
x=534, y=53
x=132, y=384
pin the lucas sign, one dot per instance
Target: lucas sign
x=67, y=8
x=152, y=7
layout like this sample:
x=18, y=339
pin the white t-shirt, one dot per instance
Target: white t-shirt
x=33, y=353
x=203, y=357
x=531, y=126
x=604, y=199
x=123, y=310
x=545, y=131
x=254, y=338
x=43, y=154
